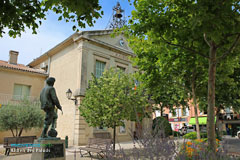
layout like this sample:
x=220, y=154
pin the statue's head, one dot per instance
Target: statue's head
x=50, y=81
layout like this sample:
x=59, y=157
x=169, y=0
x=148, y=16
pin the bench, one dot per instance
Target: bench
x=103, y=135
x=8, y=141
x=96, y=145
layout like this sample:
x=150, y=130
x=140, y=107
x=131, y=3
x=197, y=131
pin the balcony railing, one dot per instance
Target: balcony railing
x=229, y=116
x=15, y=99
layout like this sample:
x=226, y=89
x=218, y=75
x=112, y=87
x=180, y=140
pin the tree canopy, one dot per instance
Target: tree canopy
x=17, y=15
x=207, y=29
x=111, y=99
x=22, y=116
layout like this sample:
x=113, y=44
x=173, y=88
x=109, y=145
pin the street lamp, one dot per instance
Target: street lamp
x=69, y=95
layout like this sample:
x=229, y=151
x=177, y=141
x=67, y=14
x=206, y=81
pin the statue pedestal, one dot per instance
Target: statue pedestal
x=49, y=149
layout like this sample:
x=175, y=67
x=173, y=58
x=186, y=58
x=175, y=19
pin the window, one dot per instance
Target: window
x=121, y=68
x=158, y=113
x=174, y=113
x=227, y=110
x=21, y=91
x=122, y=129
x=179, y=113
x=185, y=112
x=99, y=68
x=100, y=128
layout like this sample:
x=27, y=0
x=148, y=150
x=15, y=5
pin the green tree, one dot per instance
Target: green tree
x=16, y=15
x=227, y=89
x=110, y=100
x=172, y=77
x=22, y=116
x=206, y=28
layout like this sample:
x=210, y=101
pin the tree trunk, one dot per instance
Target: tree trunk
x=114, y=138
x=217, y=122
x=211, y=97
x=195, y=107
x=20, y=133
x=12, y=132
x=16, y=132
x=161, y=110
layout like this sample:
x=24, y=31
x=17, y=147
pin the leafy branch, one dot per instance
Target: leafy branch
x=183, y=47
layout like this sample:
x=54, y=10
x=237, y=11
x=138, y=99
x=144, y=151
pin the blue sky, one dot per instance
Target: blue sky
x=52, y=32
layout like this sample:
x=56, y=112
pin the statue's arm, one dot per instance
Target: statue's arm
x=54, y=98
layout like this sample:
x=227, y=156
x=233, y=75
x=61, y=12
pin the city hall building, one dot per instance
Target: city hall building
x=72, y=62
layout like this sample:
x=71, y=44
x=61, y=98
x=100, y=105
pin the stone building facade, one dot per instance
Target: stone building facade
x=72, y=62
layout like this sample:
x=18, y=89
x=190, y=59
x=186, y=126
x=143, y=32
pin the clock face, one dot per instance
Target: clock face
x=121, y=42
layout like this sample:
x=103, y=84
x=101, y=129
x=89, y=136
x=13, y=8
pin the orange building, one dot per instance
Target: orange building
x=182, y=116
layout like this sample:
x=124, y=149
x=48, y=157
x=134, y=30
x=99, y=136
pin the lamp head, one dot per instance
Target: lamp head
x=69, y=93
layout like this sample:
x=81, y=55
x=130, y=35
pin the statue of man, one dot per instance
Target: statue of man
x=49, y=100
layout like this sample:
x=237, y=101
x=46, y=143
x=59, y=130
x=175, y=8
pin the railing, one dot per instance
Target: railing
x=229, y=116
x=15, y=99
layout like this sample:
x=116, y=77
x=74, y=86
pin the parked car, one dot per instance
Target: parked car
x=186, y=129
x=238, y=134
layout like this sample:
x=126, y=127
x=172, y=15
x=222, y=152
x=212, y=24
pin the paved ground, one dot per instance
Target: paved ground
x=71, y=153
x=231, y=143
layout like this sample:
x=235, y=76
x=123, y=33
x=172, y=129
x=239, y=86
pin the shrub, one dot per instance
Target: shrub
x=193, y=135
x=22, y=116
x=176, y=134
x=155, y=148
x=161, y=125
x=203, y=135
x=224, y=133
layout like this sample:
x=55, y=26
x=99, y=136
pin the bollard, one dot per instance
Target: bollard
x=66, y=142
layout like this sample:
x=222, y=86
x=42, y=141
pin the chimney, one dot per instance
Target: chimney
x=13, y=57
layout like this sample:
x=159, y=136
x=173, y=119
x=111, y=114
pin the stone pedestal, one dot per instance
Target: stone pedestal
x=49, y=149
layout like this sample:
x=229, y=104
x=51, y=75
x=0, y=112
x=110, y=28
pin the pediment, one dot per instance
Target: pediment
x=105, y=36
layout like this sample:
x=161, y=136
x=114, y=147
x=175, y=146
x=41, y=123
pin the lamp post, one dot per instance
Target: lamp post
x=69, y=95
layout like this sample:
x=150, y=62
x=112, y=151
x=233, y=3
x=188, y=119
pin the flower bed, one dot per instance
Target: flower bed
x=196, y=147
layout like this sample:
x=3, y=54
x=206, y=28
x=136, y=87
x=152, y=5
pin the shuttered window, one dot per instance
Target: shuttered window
x=21, y=91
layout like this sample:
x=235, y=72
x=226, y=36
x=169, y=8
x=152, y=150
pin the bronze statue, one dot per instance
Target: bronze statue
x=49, y=100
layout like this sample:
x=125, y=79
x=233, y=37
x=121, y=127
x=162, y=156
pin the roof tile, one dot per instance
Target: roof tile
x=21, y=67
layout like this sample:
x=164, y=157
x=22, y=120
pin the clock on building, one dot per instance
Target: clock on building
x=121, y=42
